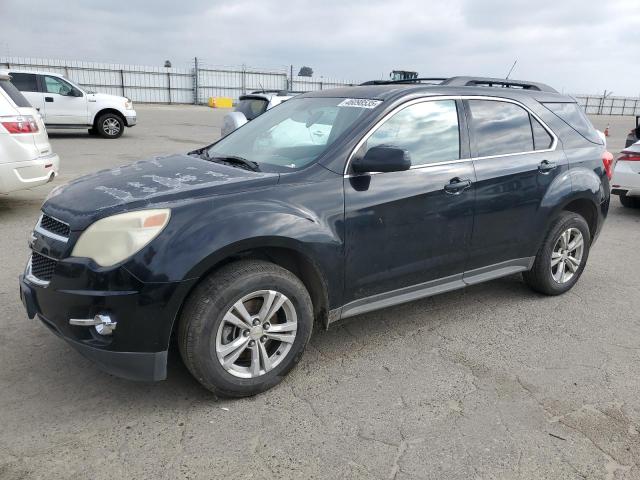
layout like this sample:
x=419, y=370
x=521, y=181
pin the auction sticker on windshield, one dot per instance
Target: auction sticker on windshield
x=359, y=103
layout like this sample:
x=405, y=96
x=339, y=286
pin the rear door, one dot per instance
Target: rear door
x=516, y=162
x=27, y=83
x=61, y=106
x=406, y=228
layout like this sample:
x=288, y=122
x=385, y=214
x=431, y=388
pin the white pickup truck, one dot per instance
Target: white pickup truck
x=64, y=104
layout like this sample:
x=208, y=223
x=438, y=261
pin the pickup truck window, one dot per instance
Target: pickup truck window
x=56, y=85
x=25, y=82
x=14, y=94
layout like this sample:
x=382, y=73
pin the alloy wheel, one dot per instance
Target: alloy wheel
x=111, y=126
x=567, y=255
x=256, y=334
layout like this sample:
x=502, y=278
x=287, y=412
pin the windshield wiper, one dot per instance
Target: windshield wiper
x=233, y=160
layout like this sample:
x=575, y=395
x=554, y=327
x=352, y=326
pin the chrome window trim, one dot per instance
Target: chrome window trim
x=433, y=98
x=38, y=228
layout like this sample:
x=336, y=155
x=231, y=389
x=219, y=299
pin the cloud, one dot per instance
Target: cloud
x=573, y=45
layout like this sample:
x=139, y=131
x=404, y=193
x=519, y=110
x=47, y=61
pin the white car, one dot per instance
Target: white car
x=26, y=158
x=251, y=106
x=64, y=104
x=626, y=176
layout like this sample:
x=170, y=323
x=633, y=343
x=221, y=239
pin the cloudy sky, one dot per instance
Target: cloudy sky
x=579, y=46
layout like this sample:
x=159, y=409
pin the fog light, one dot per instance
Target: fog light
x=103, y=323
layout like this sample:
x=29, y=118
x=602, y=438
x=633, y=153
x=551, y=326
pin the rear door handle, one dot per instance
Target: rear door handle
x=48, y=99
x=546, y=166
x=456, y=186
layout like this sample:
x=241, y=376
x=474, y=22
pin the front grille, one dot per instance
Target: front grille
x=42, y=267
x=54, y=226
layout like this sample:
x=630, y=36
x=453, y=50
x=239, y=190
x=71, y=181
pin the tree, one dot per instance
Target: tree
x=305, y=72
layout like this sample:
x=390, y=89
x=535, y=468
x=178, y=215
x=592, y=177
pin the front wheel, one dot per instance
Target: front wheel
x=245, y=327
x=110, y=125
x=562, y=256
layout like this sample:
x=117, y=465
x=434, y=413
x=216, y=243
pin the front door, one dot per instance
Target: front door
x=515, y=162
x=406, y=228
x=61, y=106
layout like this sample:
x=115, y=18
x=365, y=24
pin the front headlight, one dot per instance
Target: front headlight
x=128, y=104
x=114, y=239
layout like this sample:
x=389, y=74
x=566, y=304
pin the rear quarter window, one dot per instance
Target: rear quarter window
x=14, y=94
x=572, y=115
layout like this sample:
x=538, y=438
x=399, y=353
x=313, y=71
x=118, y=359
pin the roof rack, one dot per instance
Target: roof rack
x=470, y=82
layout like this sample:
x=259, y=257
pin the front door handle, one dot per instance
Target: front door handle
x=456, y=186
x=546, y=166
x=48, y=99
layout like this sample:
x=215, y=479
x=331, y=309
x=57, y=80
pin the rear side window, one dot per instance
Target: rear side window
x=25, y=82
x=541, y=138
x=14, y=94
x=572, y=115
x=252, y=107
x=500, y=128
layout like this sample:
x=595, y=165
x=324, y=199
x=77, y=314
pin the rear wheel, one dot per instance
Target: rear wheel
x=562, y=256
x=630, y=202
x=245, y=327
x=110, y=125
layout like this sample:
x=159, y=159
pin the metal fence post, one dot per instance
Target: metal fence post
x=195, y=82
x=122, y=82
x=169, y=85
x=244, y=79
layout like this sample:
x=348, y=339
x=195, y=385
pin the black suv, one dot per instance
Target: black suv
x=333, y=204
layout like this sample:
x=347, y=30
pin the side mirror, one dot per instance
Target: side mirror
x=383, y=158
x=76, y=93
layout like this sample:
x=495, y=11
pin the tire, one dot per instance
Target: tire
x=204, y=331
x=630, y=202
x=110, y=125
x=548, y=279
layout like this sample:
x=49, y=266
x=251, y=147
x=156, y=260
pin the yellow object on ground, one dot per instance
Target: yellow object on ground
x=220, y=102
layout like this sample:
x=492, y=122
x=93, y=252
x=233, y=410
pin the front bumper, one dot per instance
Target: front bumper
x=131, y=117
x=137, y=348
x=27, y=174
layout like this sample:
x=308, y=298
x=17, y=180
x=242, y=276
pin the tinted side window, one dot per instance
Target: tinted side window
x=572, y=115
x=25, y=82
x=427, y=130
x=252, y=107
x=14, y=93
x=541, y=138
x=500, y=128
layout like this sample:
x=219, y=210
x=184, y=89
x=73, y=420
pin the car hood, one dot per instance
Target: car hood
x=144, y=184
x=105, y=97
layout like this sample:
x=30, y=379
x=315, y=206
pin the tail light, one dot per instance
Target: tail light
x=607, y=161
x=19, y=124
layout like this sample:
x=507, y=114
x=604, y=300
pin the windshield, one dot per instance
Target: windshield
x=292, y=135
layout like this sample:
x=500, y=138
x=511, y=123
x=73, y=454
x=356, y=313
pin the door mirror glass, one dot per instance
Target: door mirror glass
x=383, y=158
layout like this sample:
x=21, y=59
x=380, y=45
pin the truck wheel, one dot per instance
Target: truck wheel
x=562, y=256
x=630, y=202
x=245, y=327
x=110, y=125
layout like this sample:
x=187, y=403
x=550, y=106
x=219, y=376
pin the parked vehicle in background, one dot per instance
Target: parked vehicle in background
x=634, y=134
x=236, y=248
x=64, y=104
x=252, y=105
x=26, y=158
x=626, y=176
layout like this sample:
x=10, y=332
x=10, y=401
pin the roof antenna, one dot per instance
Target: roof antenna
x=259, y=83
x=511, y=69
